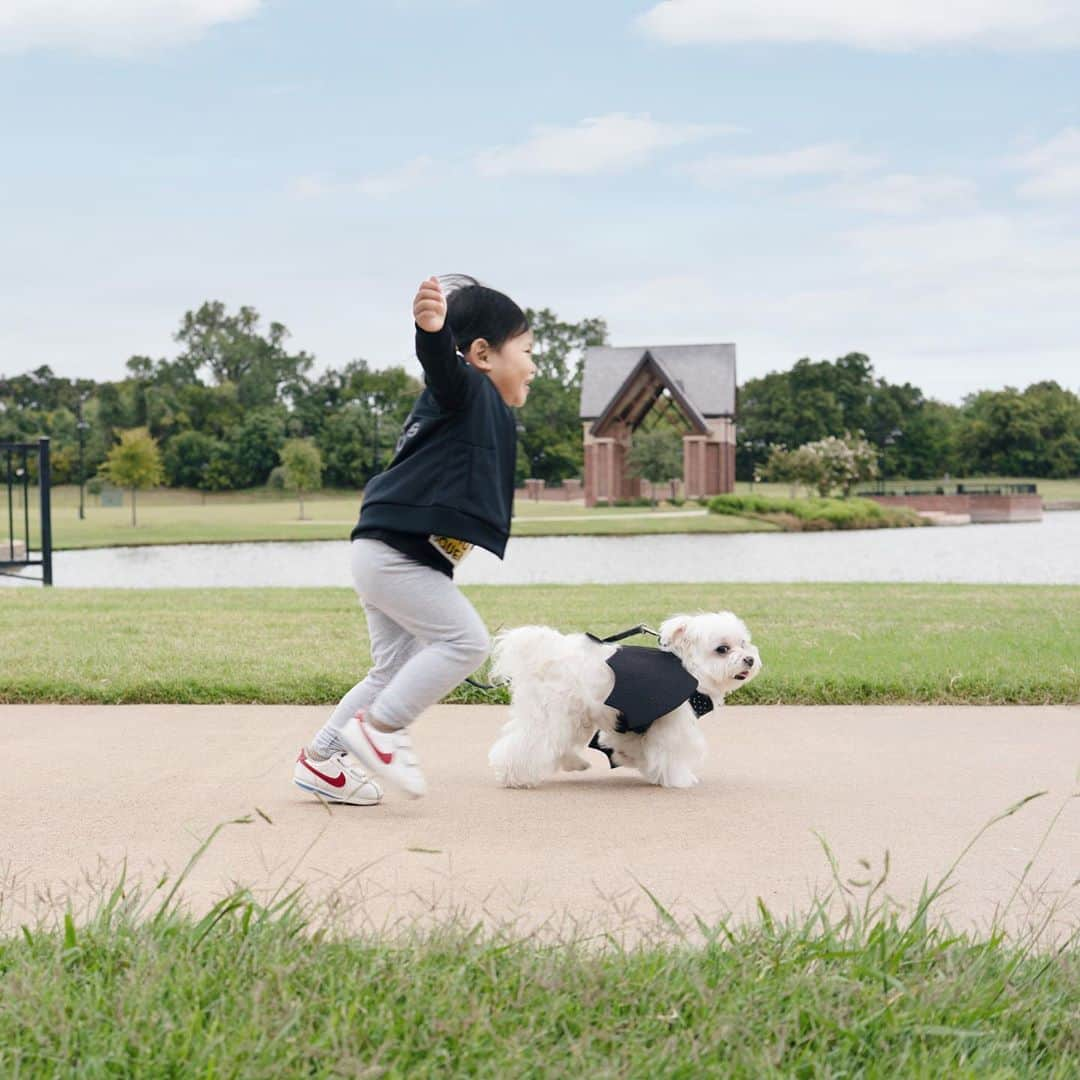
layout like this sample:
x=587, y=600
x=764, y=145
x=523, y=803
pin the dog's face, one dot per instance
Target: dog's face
x=714, y=647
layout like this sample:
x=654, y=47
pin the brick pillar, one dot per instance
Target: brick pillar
x=694, y=465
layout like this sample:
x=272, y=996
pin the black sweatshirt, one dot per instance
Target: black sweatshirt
x=452, y=474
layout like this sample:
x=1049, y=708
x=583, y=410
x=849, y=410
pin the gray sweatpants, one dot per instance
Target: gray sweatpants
x=425, y=636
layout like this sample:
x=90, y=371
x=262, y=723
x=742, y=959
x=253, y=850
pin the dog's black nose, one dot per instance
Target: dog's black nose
x=748, y=661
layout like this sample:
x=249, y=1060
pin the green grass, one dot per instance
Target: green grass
x=816, y=513
x=631, y=523
x=143, y=988
x=183, y=517
x=820, y=643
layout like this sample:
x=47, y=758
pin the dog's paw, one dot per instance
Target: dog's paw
x=681, y=778
x=573, y=763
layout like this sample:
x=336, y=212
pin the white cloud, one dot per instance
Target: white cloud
x=884, y=25
x=896, y=194
x=404, y=177
x=902, y=194
x=824, y=159
x=598, y=144
x=311, y=186
x=1054, y=167
x=117, y=27
x=952, y=304
x=376, y=186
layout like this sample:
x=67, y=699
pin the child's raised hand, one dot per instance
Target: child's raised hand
x=429, y=307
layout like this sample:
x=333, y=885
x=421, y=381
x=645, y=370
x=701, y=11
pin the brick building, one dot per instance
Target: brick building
x=689, y=388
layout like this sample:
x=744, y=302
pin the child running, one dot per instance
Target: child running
x=450, y=486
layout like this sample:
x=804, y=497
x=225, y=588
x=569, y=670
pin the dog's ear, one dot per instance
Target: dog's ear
x=672, y=630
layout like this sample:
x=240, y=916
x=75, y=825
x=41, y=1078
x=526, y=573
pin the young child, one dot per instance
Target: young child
x=450, y=486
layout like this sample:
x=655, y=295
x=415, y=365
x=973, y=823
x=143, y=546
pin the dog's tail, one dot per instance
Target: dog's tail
x=525, y=651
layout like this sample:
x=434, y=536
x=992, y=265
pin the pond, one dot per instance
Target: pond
x=1035, y=553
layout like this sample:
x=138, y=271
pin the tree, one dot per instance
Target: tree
x=347, y=443
x=254, y=446
x=302, y=462
x=235, y=349
x=825, y=464
x=550, y=446
x=781, y=467
x=913, y=436
x=656, y=456
x=186, y=457
x=1034, y=433
x=134, y=463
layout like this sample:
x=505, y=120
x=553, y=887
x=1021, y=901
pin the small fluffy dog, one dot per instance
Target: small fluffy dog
x=638, y=705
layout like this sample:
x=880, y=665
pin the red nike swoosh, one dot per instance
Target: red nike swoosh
x=333, y=781
x=383, y=757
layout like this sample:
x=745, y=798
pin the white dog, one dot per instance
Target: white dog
x=639, y=705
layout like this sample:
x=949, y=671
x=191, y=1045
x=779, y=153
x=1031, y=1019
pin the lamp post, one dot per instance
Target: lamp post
x=81, y=426
x=889, y=440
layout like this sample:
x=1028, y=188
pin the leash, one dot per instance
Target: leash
x=641, y=628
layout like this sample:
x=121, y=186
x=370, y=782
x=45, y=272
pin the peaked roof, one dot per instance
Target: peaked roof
x=704, y=375
x=634, y=399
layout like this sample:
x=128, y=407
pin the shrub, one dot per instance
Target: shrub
x=817, y=513
x=826, y=464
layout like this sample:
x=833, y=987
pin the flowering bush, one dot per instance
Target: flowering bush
x=826, y=464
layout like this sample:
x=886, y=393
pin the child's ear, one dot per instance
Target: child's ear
x=478, y=355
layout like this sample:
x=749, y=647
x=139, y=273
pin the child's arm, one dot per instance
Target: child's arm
x=444, y=370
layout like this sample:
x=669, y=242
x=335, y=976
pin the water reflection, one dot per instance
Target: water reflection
x=1046, y=552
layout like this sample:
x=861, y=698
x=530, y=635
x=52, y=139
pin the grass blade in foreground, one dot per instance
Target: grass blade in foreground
x=274, y=990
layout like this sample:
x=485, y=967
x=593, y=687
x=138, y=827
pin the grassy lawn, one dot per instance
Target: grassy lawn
x=629, y=523
x=820, y=643
x=175, y=517
x=246, y=991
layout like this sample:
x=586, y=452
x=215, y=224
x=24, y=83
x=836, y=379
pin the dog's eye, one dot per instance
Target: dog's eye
x=721, y=649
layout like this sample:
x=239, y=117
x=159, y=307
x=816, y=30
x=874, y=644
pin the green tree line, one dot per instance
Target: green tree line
x=224, y=407
x=1010, y=432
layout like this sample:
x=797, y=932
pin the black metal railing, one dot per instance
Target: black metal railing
x=954, y=489
x=15, y=467
x=996, y=489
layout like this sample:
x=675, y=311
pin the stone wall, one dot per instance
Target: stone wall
x=983, y=509
x=538, y=491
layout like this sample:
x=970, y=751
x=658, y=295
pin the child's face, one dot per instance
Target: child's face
x=510, y=368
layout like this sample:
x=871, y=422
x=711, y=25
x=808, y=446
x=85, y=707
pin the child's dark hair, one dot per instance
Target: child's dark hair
x=475, y=311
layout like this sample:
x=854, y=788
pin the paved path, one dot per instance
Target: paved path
x=85, y=787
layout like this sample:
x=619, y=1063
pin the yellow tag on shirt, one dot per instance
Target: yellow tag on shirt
x=454, y=550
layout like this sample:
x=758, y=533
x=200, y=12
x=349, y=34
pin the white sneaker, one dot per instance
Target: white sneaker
x=336, y=779
x=389, y=754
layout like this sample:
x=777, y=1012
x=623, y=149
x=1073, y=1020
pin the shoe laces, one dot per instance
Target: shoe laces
x=350, y=767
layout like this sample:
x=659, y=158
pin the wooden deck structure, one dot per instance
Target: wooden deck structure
x=688, y=388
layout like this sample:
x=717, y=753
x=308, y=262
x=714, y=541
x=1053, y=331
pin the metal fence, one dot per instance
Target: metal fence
x=954, y=489
x=997, y=489
x=18, y=461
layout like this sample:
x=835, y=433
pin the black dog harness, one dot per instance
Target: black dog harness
x=649, y=683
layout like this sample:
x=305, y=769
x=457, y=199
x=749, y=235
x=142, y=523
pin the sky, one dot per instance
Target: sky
x=800, y=178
